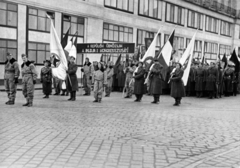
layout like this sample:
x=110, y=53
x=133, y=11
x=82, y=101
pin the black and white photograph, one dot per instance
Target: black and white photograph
x=119, y=83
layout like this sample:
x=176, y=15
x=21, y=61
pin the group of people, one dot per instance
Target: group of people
x=212, y=81
x=131, y=77
x=11, y=75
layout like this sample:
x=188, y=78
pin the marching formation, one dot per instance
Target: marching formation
x=151, y=72
x=213, y=81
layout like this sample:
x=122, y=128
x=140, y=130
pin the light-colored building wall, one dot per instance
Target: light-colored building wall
x=95, y=14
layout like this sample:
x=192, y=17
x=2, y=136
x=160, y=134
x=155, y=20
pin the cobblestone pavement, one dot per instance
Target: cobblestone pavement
x=120, y=133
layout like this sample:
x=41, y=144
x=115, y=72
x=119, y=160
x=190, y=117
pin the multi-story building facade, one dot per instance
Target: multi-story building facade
x=24, y=27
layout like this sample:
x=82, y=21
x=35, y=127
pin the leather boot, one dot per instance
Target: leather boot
x=26, y=104
x=11, y=102
x=74, y=96
x=155, y=99
x=71, y=96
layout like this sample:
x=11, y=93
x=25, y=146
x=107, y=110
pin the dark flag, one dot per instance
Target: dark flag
x=101, y=58
x=235, y=60
x=65, y=39
x=109, y=59
x=224, y=59
x=117, y=64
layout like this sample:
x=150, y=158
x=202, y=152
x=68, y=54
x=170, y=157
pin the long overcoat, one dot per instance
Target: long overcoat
x=177, y=86
x=156, y=80
x=72, y=82
x=139, y=81
x=212, y=79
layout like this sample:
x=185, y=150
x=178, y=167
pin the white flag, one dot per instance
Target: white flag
x=151, y=49
x=187, y=56
x=57, y=50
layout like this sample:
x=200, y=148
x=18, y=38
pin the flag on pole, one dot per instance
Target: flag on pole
x=73, y=51
x=151, y=49
x=187, y=59
x=57, y=50
x=65, y=39
x=224, y=59
x=165, y=54
x=101, y=58
x=235, y=60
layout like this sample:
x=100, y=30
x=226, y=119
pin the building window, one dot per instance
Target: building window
x=212, y=24
x=197, y=52
x=142, y=34
x=7, y=46
x=195, y=20
x=226, y=28
x=76, y=25
x=224, y=49
x=150, y=8
x=115, y=33
x=38, y=20
x=210, y=50
x=8, y=14
x=125, y=5
x=174, y=14
x=38, y=52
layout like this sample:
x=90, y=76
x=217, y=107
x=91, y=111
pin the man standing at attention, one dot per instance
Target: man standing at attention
x=11, y=78
x=87, y=76
x=29, y=76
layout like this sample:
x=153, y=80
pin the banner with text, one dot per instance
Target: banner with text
x=113, y=48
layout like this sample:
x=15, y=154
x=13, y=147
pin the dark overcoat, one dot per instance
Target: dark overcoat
x=72, y=82
x=156, y=80
x=121, y=76
x=199, y=78
x=228, y=79
x=177, y=86
x=139, y=81
x=46, y=80
x=212, y=79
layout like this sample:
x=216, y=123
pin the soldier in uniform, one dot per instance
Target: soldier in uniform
x=72, y=82
x=212, y=80
x=139, y=82
x=177, y=86
x=29, y=76
x=87, y=76
x=121, y=76
x=109, y=72
x=11, y=76
x=199, y=79
x=156, y=79
x=99, y=80
x=129, y=80
x=46, y=78
x=228, y=78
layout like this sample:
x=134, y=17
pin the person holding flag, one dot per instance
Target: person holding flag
x=139, y=82
x=72, y=82
x=177, y=86
x=156, y=79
